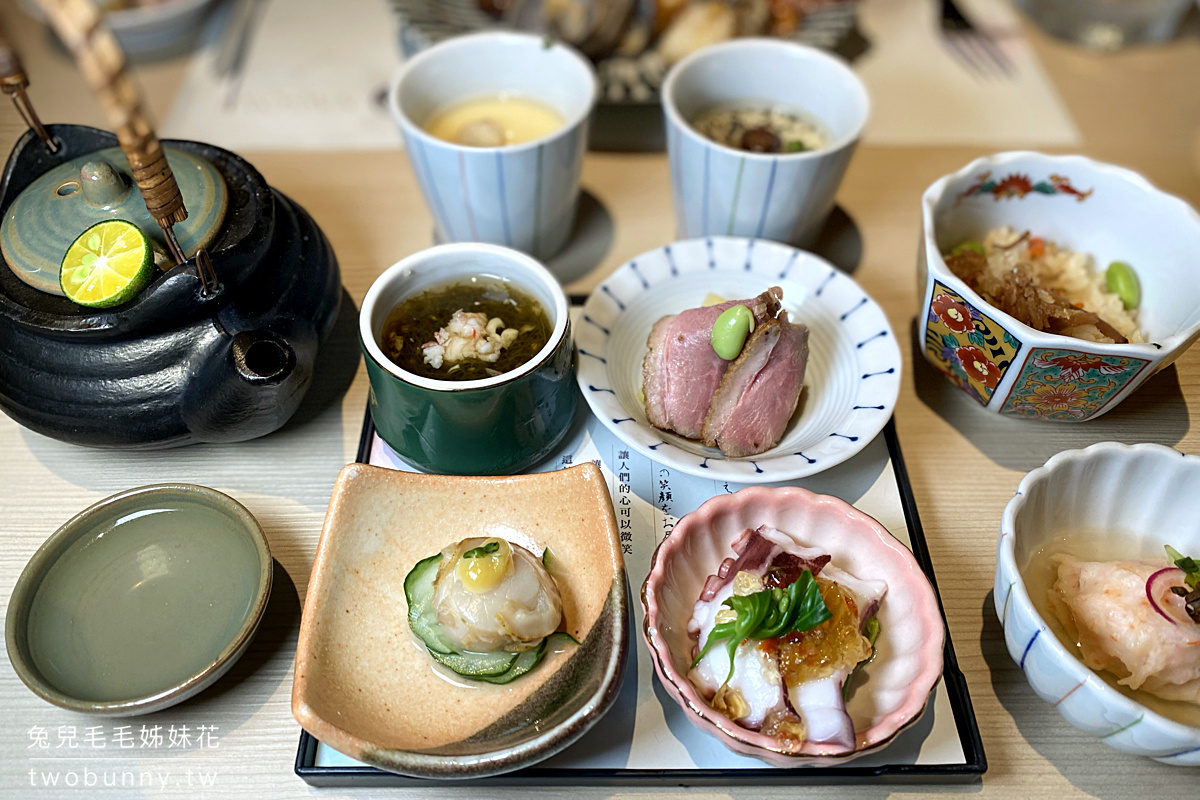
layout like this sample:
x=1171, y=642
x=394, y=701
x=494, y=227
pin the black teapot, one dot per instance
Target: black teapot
x=180, y=363
x=219, y=347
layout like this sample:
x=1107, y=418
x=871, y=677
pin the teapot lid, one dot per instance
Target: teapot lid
x=52, y=211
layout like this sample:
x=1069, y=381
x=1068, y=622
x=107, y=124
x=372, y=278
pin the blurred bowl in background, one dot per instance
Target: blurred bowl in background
x=156, y=29
x=1107, y=24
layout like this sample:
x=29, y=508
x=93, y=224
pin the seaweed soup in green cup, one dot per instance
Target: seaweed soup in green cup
x=496, y=417
x=479, y=313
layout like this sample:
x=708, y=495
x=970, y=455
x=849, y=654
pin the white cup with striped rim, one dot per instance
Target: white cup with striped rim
x=524, y=195
x=723, y=191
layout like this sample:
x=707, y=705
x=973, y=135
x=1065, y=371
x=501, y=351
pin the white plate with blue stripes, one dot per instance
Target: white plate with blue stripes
x=850, y=386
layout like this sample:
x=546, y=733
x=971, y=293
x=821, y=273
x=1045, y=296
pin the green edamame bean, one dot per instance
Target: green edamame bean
x=730, y=331
x=1123, y=282
x=975, y=247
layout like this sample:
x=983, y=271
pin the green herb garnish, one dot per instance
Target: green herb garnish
x=1189, y=566
x=482, y=550
x=769, y=614
x=547, y=559
x=871, y=631
x=795, y=147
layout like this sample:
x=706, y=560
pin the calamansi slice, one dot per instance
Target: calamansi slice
x=107, y=265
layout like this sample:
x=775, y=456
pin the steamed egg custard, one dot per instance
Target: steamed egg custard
x=497, y=121
x=485, y=608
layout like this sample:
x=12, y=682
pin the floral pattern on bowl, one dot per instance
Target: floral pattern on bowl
x=850, y=386
x=1017, y=185
x=1106, y=212
x=909, y=649
x=968, y=346
x=1068, y=384
x=1149, y=493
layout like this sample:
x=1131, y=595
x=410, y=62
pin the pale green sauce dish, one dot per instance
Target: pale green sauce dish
x=140, y=601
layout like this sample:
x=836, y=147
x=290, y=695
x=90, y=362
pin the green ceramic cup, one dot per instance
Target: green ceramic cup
x=140, y=601
x=494, y=426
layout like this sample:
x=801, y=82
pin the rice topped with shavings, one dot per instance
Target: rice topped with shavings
x=1072, y=274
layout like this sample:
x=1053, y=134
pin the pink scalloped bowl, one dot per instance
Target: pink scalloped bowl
x=908, y=659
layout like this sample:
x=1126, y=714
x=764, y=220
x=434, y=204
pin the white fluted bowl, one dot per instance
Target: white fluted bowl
x=1146, y=491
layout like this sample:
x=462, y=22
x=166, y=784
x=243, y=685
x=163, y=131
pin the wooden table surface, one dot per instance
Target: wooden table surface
x=1140, y=109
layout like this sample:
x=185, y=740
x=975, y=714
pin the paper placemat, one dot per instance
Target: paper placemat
x=312, y=76
x=921, y=94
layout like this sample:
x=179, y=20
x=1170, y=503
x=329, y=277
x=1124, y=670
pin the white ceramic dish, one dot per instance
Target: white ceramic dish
x=780, y=196
x=853, y=375
x=524, y=195
x=908, y=659
x=147, y=30
x=1109, y=213
x=1149, y=492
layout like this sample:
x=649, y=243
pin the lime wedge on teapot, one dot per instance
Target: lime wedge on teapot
x=107, y=265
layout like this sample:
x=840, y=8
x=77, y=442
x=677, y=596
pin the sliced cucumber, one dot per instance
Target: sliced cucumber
x=558, y=636
x=478, y=665
x=524, y=662
x=418, y=591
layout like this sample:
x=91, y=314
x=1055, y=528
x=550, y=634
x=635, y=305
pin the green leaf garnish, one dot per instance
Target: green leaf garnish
x=547, y=559
x=871, y=631
x=482, y=550
x=1189, y=566
x=769, y=614
x=795, y=147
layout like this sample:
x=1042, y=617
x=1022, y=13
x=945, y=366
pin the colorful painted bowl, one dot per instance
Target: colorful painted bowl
x=364, y=684
x=492, y=426
x=851, y=383
x=908, y=659
x=1151, y=495
x=521, y=195
x=1105, y=211
x=140, y=601
x=787, y=196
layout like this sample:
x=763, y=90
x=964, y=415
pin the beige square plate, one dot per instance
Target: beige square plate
x=366, y=686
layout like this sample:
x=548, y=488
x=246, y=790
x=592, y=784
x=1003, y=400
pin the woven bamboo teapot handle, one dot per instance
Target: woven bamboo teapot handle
x=80, y=26
x=14, y=83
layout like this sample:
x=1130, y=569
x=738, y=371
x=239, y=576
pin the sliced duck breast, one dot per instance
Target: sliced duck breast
x=681, y=370
x=758, y=393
